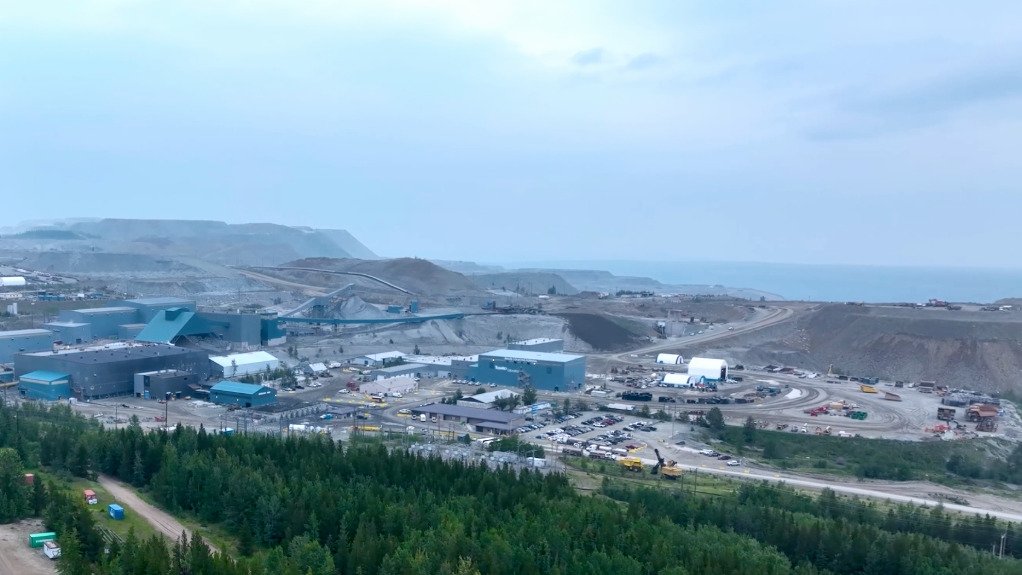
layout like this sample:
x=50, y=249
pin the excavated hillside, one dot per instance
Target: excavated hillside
x=416, y=275
x=974, y=349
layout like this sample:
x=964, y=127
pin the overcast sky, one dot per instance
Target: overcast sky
x=814, y=132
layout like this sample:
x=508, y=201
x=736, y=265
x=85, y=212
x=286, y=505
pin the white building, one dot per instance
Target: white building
x=485, y=400
x=389, y=386
x=238, y=364
x=670, y=358
x=707, y=368
x=676, y=380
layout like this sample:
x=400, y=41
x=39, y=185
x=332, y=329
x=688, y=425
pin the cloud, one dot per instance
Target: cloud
x=923, y=102
x=589, y=57
x=643, y=61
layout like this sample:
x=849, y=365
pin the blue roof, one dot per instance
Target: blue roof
x=47, y=376
x=171, y=323
x=235, y=387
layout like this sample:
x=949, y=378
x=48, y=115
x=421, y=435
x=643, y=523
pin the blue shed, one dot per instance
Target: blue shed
x=243, y=394
x=48, y=385
x=115, y=511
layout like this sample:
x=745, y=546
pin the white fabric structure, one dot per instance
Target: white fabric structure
x=670, y=358
x=707, y=368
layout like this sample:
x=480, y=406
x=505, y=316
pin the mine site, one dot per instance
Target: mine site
x=575, y=368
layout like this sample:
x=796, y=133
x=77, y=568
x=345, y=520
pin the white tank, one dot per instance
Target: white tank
x=12, y=281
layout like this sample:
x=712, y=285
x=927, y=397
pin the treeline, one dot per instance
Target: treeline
x=874, y=458
x=308, y=505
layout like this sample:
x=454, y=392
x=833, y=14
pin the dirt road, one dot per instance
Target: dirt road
x=16, y=557
x=162, y=521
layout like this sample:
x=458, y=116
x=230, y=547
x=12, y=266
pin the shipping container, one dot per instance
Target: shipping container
x=90, y=497
x=51, y=549
x=115, y=511
x=37, y=539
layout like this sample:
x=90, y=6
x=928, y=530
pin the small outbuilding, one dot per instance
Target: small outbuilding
x=48, y=385
x=115, y=511
x=243, y=394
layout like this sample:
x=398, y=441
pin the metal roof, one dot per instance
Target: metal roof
x=175, y=301
x=470, y=412
x=536, y=341
x=249, y=358
x=66, y=324
x=239, y=388
x=400, y=368
x=383, y=355
x=24, y=332
x=491, y=396
x=705, y=363
x=112, y=353
x=100, y=310
x=530, y=355
x=47, y=376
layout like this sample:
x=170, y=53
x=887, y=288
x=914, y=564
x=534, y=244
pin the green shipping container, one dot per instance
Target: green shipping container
x=37, y=539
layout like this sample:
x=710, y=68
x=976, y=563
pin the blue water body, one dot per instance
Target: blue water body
x=827, y=282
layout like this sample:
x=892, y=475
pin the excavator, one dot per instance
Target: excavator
x=668, y=469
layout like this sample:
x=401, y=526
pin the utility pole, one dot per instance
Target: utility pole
x=1003, y=536
x=166, y=410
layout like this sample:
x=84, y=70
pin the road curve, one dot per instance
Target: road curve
x=162, y=521
x=339, y=273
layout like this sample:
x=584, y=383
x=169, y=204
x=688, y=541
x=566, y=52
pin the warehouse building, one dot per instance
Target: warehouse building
x=70, y=332
x=539, y=344
x=481, y=420
x=106, y=370
x=104, y=320
x=243, y=394
x=24, y=340
x=47, y=385
x=157, y=384
x=239, y=364
x=240, y=328
x=708, y=369
x=549, y=371
x=408, y=370
x=389, y=386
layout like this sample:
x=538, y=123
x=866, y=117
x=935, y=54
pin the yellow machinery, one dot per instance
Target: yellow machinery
x=867, y=389
x=631, y=463
x=669, y=469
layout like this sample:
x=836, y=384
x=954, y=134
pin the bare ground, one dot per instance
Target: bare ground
x=16, y=557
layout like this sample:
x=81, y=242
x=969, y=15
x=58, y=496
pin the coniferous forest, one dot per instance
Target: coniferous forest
x=313, y=506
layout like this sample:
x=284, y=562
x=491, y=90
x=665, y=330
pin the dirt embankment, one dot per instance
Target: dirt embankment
x=978, y=350
x=601, y=332
x=416, y=275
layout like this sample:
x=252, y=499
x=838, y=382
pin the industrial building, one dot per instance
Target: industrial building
x=106, y=370
x=389, y=386
x=238, y=364
x=104, y=320
x=512, y=367
x=708, y=369
x=676, y=380
x=670, y=358
x=243, y=394
x=70, y=332
x=408, y=370
x=481, y=420
x=157, y=384
x=47, y=385
x=539, y=344
x=379, y=359
x=486, y=400
x=149, y=307
x=24, y=340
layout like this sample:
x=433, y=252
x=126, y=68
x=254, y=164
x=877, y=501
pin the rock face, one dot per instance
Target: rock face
x=974, y=349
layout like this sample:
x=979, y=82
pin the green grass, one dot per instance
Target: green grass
x=76, y=485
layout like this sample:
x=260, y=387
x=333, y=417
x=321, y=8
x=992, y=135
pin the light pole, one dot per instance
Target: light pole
x=166, y=410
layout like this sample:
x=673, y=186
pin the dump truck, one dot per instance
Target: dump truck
x=867, y=389
x=631, y=463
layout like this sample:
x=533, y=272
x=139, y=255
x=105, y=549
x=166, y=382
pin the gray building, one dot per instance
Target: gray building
x=243, y=328
x=545, y=344
x=70, y=332
x=105, y=320
x=24, y=340
x=106, y=370
x=404, y=370
x=157, y=384
x=481, y=420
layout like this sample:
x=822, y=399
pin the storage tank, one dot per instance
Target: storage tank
x=12, y=281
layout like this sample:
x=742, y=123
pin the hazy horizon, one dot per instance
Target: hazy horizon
x=820, y=133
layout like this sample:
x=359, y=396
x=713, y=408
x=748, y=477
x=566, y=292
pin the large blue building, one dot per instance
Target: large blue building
x=48, y=385
x=549, y=371
x=243, y=394
x=24, y=340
